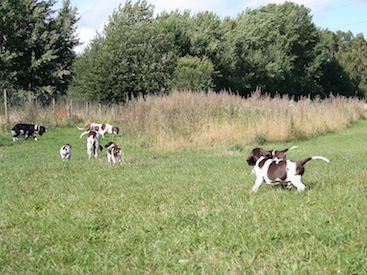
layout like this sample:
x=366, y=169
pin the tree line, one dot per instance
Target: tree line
x=276, y=47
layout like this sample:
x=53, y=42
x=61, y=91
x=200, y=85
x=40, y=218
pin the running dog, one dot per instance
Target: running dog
x=275, y=172
x=65, y=152
x=25, y=130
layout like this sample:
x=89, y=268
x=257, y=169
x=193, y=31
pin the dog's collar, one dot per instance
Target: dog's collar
x=37, y=128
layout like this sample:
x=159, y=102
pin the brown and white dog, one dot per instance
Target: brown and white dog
x=113, y=152
x=65, y=152
x=277, y=171
x=93, y=144
x=275, y=154
x=101, y=128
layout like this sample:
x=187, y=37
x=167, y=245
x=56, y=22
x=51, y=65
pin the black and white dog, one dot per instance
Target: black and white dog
x=26, y=130
x=65, y=152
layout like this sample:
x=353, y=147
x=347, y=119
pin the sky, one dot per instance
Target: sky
x=344, y=15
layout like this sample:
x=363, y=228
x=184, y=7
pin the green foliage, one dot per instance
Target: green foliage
x=133, y=56
x=36, y=46
x=276, y=47
x=279, y=42
x=353, y=57
x=193, y=73
x=179, y=25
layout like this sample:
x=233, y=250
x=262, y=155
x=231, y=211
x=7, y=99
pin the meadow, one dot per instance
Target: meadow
x=180, y=212
x=200, y=119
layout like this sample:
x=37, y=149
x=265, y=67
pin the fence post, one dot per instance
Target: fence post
x=70, y=108
x=6, y=108
x=86, y=108
x=54, y=106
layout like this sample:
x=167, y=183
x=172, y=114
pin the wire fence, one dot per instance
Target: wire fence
x=20, y=106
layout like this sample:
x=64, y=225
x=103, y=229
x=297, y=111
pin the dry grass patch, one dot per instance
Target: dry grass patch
x=186, y=119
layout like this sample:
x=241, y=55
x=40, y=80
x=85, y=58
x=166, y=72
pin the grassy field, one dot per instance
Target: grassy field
x=182, y=212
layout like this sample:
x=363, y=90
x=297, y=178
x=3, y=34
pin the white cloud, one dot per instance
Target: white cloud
x=85, y=35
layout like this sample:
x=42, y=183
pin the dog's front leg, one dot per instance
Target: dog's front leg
x=258, y=182
x=299, y=184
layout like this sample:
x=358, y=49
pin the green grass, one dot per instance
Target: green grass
x=184, y=212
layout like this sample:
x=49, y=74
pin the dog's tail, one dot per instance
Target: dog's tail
x=315, y=157
x=80, y=128
x=288, y=149
x=293, y=147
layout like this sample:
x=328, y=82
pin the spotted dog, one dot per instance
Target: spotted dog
x=113, y=152
x=101, y=128
x=277, y=171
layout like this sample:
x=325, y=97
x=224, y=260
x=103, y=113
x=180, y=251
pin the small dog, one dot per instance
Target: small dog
x=275, y=154
x=101, y=128
x=113, y=152
x=278, y=171
x=65, y=152
x=93, y=144
x=25, y=130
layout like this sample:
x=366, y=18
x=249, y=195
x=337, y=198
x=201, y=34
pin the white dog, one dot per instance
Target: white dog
x=65, y=152
x=93, y=144
x=113, y=152
x=101, y=128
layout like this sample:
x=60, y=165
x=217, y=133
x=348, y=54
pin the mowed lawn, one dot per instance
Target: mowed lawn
x=182, y=212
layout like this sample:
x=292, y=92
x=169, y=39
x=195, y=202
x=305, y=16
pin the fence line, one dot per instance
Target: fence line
x=58, y=110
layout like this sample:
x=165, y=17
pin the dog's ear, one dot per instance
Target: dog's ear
x=266, y=154
x=108, y=144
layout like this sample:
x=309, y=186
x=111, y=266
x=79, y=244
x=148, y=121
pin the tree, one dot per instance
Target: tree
x=352, y=55
x=36, y=47
x=179, y=25
x=193, y=73
x=133, y=56
x=330, y=74
x=278, y=42
x=65, y=26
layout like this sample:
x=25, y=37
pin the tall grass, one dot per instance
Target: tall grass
x=188, y=119
x=180, y=212
x=185, y=119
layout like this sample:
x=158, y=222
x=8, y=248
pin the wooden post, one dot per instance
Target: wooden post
x=70, y=108
x=6, y=108
x=54, y=106
x=86, y=108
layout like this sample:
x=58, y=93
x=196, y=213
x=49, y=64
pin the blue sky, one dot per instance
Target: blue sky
x=344, y=15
